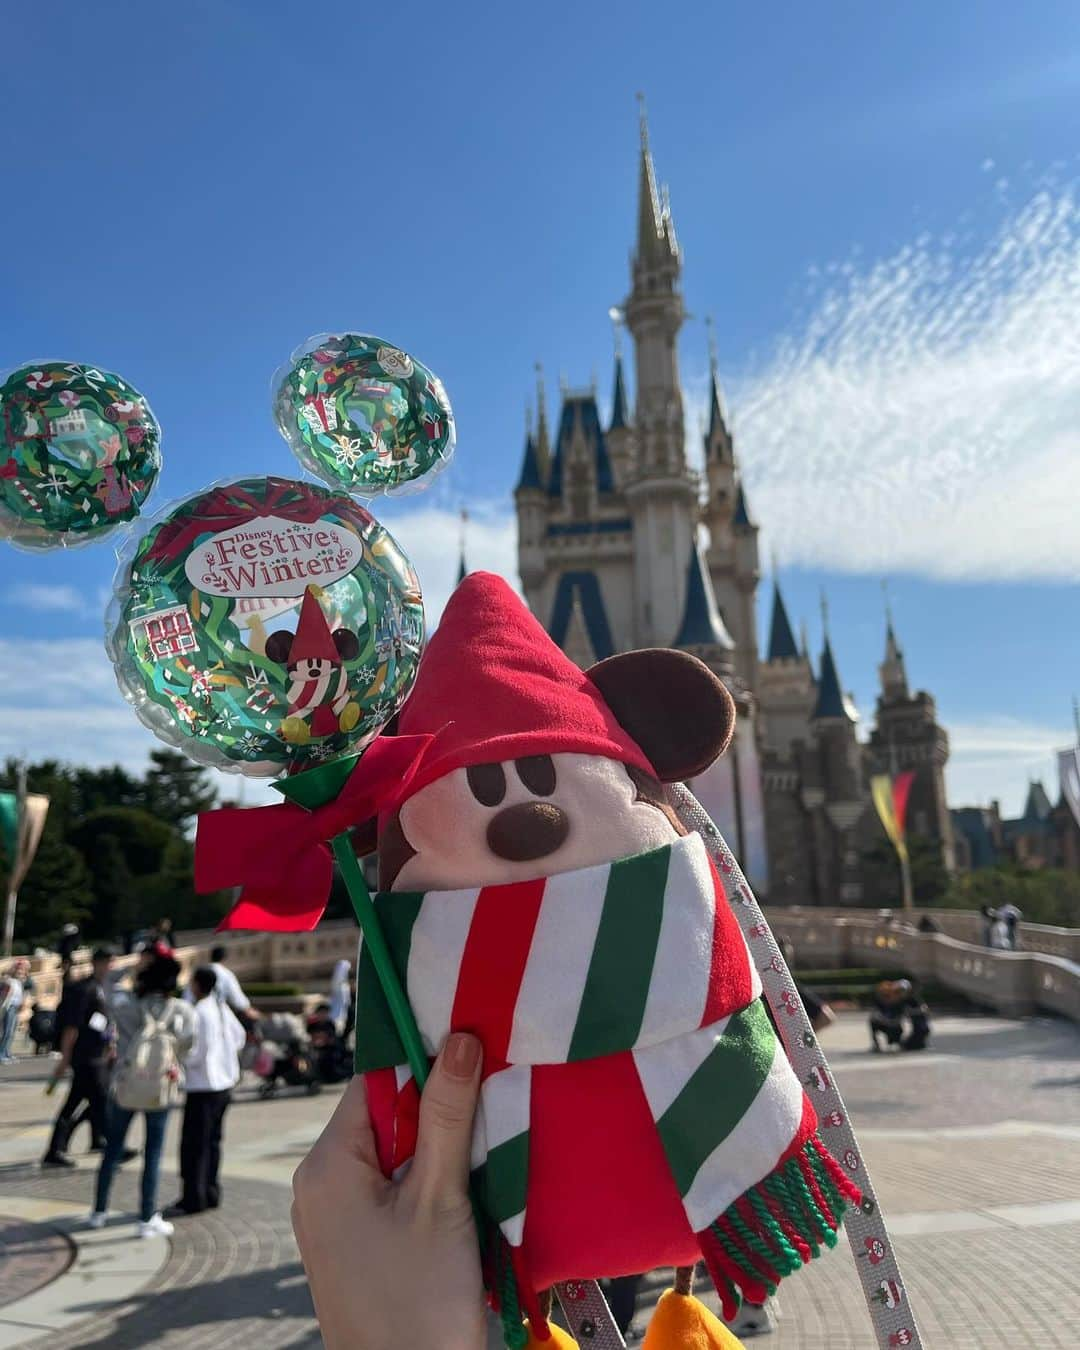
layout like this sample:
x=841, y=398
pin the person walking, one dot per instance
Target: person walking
x=213, y=1070
x=340, y=994
x=227, y=988
x=82, y=1035
x=155, y=1035
x=11, y=1001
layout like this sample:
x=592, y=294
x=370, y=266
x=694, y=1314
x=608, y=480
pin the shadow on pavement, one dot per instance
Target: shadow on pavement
x=270, y=1295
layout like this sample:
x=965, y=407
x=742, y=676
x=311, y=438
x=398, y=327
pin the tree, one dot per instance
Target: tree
x=177, y=789
x=1048, y=896
x=928, y=876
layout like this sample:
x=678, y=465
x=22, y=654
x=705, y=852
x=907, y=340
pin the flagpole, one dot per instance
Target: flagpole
x=16, y=861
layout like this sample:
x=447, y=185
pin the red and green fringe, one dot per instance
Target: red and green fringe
x=777, y=1226
x=772, y=1230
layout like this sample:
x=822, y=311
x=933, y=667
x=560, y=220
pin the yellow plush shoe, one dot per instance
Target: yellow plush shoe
x=682, y=1322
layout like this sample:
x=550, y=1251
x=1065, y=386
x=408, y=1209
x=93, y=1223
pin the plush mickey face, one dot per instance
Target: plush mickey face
x=488, y=824
x=495, y=823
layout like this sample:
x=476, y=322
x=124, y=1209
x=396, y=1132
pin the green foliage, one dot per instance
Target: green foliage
x=115, y=855
x=929, y=880
x=1047, y=896
x=257, y=991
x=177, y=789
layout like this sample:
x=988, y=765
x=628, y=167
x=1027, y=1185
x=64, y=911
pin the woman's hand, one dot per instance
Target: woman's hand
x=396, y=1267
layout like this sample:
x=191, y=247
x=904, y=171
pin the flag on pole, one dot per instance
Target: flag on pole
x=22, y=819
x=891, y=799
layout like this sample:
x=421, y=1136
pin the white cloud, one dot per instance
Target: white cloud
x=924, y=415
x=995, y=758
x=34, y=595
x=431, y=538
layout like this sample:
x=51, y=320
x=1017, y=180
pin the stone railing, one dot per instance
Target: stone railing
x=1012, y=983
x=1045, y=974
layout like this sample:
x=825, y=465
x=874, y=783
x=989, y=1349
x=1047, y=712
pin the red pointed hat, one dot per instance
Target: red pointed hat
x=493, y=686
x=313, y=640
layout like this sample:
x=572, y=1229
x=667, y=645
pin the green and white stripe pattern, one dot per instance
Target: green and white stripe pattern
x=641, y=955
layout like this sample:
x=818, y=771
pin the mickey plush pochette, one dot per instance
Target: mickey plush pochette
x=538, y=890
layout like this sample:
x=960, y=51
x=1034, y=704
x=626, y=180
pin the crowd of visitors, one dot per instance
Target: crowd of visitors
x=138, y=1045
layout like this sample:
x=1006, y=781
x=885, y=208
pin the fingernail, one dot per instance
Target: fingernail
x=462, y=1055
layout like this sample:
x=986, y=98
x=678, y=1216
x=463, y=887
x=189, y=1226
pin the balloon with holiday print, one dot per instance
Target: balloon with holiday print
x=266, y=625
x=80, y=452
x=364, y=415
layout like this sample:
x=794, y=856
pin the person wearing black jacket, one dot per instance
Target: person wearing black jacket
x=82, y=1037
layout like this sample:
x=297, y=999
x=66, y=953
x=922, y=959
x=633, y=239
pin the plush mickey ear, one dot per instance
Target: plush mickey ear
x=347, y=644
x=672, y=704
x=278, y=646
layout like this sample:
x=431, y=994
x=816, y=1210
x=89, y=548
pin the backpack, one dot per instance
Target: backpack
x=148, y=1077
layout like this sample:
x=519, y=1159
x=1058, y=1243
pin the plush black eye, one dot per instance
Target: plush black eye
x=487, y=783
x=537, y=772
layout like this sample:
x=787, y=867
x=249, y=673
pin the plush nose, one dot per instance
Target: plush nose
x=528, y=830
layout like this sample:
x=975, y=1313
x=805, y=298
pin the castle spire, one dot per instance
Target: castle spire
x=831, y=700
x=531, y=477
x=543, y=443
x=781, y=639
x=702, y=624
x=650, y=230
x=892, y=672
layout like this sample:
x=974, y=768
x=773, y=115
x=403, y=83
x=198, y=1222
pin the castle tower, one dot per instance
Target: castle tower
x=530, y=498
x=906, y=735
x=833, y=788
x=786, y=690
x=661, y=491
x=733, y=536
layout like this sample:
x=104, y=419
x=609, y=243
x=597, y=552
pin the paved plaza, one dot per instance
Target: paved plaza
x=974, y=1147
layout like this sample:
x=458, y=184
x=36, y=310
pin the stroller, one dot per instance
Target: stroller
x=284, y=1056
x=333, y=1063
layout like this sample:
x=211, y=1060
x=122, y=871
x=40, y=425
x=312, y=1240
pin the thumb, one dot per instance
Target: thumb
x=440, y=1169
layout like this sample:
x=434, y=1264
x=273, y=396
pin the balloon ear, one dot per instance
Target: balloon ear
x=347, y=644
x=672, y=704
x=278, y=646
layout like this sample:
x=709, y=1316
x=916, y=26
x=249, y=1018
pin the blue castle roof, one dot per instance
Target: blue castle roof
x=586, y=588
x=702, y=625
x=581, y=406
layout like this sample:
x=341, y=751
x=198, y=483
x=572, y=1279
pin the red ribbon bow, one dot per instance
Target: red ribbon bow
x=280, y=854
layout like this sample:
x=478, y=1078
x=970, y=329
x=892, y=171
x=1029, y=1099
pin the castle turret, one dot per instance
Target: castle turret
x=661, y=491
x=620, y=436
x=702, y=631
x=531, y=501
x=786, y=691
x=733, y=536
x=906, y=735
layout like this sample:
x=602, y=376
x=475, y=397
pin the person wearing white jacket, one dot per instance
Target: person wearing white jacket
x=213, y=1070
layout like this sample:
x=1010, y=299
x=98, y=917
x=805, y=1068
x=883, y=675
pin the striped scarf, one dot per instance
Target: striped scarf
x=640, y=955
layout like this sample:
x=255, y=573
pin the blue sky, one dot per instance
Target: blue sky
x=878, y=206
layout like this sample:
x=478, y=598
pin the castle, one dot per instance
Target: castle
x=611, y=558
